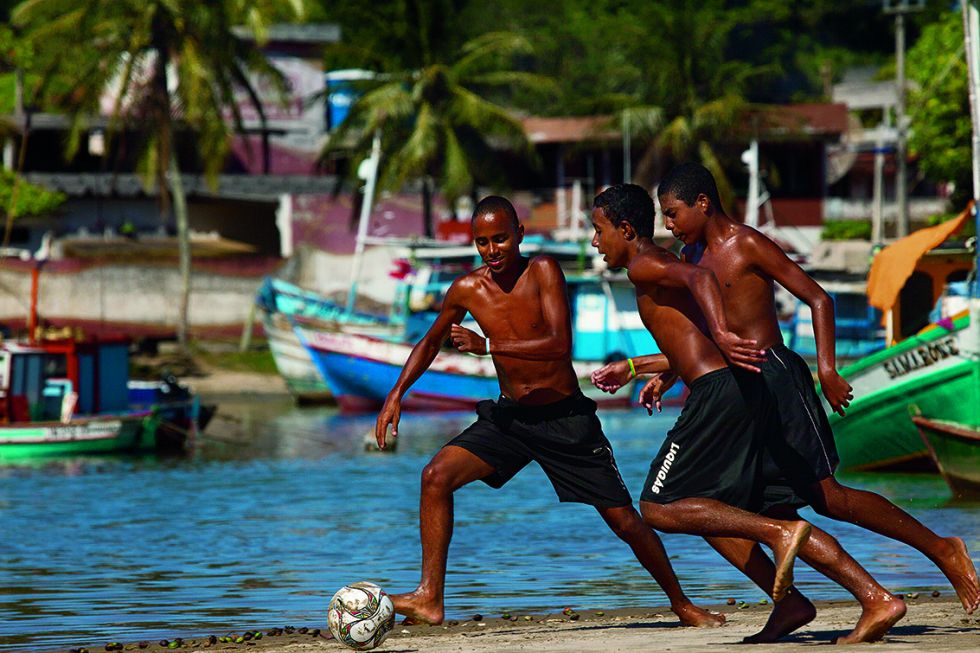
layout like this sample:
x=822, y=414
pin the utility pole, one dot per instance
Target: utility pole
x=900, y=8
x=627, y=154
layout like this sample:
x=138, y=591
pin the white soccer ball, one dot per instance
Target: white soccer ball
x=361, y=615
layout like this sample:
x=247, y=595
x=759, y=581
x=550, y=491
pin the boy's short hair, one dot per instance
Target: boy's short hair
x=628, y=203
x=496, y=204
x=687, y=181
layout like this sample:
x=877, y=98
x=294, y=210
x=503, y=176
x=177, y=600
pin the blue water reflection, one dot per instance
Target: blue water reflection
x=282, y=505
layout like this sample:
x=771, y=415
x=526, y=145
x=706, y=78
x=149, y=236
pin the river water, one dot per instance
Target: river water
x=280, y=506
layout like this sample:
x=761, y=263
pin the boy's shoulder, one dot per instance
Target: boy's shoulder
x=748, y=239
x=650, y=262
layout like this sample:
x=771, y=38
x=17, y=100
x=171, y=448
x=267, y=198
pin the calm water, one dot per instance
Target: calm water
x=284, y=505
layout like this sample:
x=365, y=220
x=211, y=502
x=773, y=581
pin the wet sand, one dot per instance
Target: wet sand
x=932, y=624
x=225, y=384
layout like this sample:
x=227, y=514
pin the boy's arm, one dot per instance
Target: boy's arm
x=771, y=260
x=419, y=360
x=702, y=284
x=555, y=341
x=652, y=393
x=613, y=376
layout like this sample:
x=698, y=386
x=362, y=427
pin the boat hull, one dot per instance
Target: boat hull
x=95, y=435
x=360, y=370
x=930, y=373
x=293, y=361
x=955, y=448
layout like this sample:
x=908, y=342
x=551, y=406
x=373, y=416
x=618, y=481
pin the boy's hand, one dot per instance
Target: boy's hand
x=390, y=415
x=653, y=392
x=739, y=351
x=612, y=376
x=468, y=341
x=836, y=390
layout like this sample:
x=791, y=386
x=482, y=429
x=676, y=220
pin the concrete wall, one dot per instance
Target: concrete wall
x=148, y=294
x=128, y=293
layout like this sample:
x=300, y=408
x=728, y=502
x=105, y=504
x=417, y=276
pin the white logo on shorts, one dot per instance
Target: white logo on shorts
x=662, y=474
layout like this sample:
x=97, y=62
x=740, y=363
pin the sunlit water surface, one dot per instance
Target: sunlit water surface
x=282, y=505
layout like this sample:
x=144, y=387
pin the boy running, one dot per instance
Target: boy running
x=802, y=453
x=522, y=307
x=703, y=480
x=623, y=219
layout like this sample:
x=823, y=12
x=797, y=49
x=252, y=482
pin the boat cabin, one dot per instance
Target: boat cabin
x=55, y=379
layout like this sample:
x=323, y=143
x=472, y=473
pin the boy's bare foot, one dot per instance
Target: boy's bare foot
x=876, y=618
x=692, y=615
x=785, y=555
x=792, y=613
x=418, y=608
x=961, y=573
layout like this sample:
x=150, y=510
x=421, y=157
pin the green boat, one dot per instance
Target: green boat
x=935, y=369
x=955, y=448
x=67, y=397
x=131, y=432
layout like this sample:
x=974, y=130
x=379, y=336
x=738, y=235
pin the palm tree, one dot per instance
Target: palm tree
x=172, y=65
x=694, y=93
x=435, y=120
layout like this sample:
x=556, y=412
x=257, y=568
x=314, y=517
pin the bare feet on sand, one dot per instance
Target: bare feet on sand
x=418, y=608
x=876, y=618
x=692, y=615
x=961, y=573
x=792, y=613
x=785, y=555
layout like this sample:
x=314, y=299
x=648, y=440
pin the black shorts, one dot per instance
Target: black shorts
x=713, y=450
x=565, y=438
x=799, y=442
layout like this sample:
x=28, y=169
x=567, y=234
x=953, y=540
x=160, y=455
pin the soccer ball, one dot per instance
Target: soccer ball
x=361, y=615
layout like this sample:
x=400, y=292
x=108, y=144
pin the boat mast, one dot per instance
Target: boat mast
x=971, y=35
x=369, y=172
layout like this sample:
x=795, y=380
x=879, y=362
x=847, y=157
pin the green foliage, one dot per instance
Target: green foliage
x=846, y=230
x=429, y=104
x=28, y=199
x=128, y=45
x=940, y=110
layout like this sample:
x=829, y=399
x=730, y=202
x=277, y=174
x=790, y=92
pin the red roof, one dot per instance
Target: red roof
x=810, y=119
x=570, y=129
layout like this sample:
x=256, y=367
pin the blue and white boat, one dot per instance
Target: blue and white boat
x=281, y=305
x=360, y=368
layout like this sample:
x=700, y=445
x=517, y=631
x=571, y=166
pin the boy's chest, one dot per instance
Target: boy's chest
x=729, y=268
x=516, y=312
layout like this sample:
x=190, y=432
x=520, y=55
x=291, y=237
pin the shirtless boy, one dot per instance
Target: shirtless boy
x=880, y=609
x=522, y=307
x=703, y=480
x=803, y=455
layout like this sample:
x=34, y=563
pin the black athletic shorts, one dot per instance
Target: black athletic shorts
x=799, y=442
x=713, y=450
x=565, y=438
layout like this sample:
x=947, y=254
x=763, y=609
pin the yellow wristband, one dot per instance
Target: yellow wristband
x=632, y=368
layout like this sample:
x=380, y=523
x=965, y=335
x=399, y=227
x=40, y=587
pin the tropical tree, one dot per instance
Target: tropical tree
x=695, y=96
x=171, y=67
x=939, y=108
x=430, y=105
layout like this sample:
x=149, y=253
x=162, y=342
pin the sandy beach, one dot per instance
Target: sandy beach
x=221, y=384
x=932, y=624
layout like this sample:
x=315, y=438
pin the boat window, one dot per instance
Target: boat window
x=55, y=366
x=851, y=306
x=916, y=302
x=957, y=275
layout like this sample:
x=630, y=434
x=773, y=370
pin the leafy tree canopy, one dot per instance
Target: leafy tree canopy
x=940, y=108
x=28, y=199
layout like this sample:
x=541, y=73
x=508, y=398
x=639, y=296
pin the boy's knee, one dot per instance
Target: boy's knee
x=625, y=523
x=655, y=515
x=436, y=477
